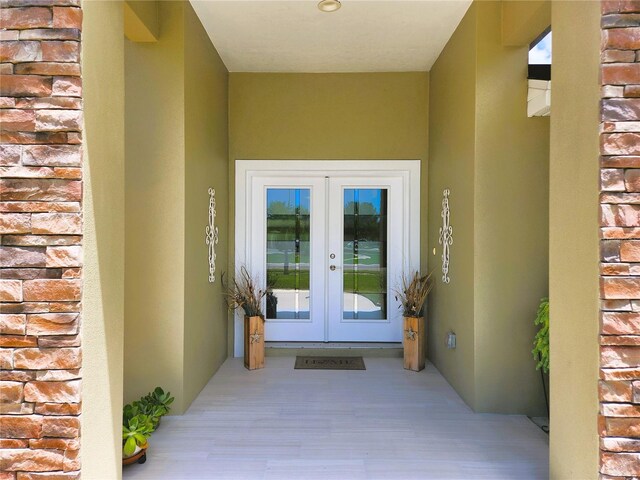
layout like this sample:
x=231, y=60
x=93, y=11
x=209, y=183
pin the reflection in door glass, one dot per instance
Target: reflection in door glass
x=365, y=254
x=288, y=247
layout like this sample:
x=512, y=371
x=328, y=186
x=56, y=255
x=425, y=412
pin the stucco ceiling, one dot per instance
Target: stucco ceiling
x=363, y=36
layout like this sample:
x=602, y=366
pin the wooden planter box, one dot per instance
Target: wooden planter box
x=253, y=342
x=414, y=340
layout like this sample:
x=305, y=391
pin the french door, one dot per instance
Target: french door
x=365, y=245
x=288, y=247
x=332, y=249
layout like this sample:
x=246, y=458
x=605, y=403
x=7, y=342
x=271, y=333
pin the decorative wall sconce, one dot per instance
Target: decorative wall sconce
x=446, y=236
x=212, y=235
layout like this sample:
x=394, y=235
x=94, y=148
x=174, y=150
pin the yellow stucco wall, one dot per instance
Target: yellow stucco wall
x=511, y=224
x=524, y=20
x=103, y=243
x=155, y=210
x=328, y=116
x=494, y=159
x=206, y=160
x=176, y=139
x=451, y=165
x=156, y=118
x=142, y=20
x=574, y=253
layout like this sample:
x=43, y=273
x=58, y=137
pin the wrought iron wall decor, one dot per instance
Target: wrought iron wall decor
x=212, y=235
x=446, y=236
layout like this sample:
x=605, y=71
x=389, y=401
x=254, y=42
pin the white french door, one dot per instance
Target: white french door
x=287, y=249
x=331, y=244
x=365, y=259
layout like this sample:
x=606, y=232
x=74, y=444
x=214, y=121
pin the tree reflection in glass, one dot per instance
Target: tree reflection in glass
x=365, y=254
x=288, y=248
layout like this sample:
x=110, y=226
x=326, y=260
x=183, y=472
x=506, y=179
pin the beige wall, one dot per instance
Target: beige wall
x=451, y=165
x=103, y=207
x=141, y=20
x=495, y=161
x=574, y=247
x=524, y=20
x=155, y=210
x=156, y=182
x=328, y=116
x=176, y=147
x=206, y=142
x=511, y=224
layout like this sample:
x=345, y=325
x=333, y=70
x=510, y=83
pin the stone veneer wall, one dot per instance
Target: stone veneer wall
x=41, y=232
x=620, y=241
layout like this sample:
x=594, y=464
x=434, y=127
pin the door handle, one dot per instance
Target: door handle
x=333, y=268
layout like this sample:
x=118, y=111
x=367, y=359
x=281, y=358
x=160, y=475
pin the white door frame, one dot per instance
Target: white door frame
x=246, y=170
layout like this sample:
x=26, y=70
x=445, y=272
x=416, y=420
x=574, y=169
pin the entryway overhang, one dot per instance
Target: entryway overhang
x=363, y=36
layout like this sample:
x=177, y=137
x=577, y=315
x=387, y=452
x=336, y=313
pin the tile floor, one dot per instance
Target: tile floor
x=382, y=423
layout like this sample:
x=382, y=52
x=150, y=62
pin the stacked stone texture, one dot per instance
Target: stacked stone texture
x=41, y=237
x=620, y=241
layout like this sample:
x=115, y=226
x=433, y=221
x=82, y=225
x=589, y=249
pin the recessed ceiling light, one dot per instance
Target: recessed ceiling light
x=329, y=5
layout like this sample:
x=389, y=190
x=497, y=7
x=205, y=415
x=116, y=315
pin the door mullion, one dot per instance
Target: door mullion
x=328, y=248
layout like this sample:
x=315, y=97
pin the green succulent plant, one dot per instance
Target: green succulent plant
x=141, y=418
x=158, y=398
x=145, y=407
x=135, y=433
x=541, y=341
x=128, y=412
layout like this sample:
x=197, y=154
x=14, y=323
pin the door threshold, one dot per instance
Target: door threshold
x=332, y=349
x=350, y=345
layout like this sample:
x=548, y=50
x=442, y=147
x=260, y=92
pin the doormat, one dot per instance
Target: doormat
x=329, y=363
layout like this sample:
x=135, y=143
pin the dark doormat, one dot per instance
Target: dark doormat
x=330, y=363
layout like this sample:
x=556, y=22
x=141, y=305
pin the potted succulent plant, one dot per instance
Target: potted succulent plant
x=135, y=433
x=244, y=293
x=139, y=420
x=156, y=404
x=412, y=295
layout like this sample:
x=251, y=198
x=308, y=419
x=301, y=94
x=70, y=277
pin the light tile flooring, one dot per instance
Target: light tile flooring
x=382, y=423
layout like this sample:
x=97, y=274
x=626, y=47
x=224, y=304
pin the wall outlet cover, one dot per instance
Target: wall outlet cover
x=451, y=340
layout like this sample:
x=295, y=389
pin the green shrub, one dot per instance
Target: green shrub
x=541, y=341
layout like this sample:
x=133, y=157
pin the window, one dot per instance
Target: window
x=539, y=95
x=540, y=49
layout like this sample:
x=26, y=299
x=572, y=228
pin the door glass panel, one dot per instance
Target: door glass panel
x=288, y=249
x=365, y=254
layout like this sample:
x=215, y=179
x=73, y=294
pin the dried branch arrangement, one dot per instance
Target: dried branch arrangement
x=413, y=293
x=245, y=293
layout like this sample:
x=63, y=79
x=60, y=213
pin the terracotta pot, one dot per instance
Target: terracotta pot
x=414, y=341
x=139, y=456
x=253, y=343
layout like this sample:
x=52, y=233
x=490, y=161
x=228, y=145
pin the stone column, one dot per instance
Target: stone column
x=619, y=390
x=41, y=232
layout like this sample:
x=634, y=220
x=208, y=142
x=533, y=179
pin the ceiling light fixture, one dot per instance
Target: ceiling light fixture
x=329, y=5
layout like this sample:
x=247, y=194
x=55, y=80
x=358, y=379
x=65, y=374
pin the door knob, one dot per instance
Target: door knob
x=332, y=267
